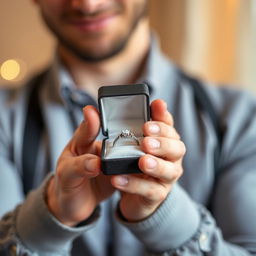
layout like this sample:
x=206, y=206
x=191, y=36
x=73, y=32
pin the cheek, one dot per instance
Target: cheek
x=132, y=5
x=55, y=14
x=51, y=7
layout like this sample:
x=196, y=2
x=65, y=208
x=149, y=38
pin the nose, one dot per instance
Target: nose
x=87, y=5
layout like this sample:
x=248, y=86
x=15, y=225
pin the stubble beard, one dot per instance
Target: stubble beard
x=88, y=55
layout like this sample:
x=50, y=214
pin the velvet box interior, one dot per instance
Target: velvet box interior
x=123, y=109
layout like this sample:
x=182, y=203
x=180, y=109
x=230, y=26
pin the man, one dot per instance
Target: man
x=78, y=210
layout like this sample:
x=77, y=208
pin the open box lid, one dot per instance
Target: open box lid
x=123, y=107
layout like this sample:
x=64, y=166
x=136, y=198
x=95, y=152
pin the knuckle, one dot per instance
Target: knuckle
x=176, y=134
x=151, y=194
x=181, y=172
x=171, y=171
x=155, y=194
x=182, y=148
x=178, y=172
x=161, y=195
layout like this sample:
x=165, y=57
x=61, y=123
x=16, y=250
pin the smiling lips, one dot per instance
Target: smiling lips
x=93, y=23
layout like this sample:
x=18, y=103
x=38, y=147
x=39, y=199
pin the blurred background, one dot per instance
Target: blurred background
x=212, y=39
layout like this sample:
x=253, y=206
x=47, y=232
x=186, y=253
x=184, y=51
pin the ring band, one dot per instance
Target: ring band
x=126, y=134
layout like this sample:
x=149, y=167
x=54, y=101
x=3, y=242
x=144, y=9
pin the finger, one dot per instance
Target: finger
x=87, y=131
x=149, y=189
x=160, y=113
x=166, y=148
x=71, y=171
x=160, y=129
x=166, y=171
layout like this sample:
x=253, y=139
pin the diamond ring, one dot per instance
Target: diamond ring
x=126, y=134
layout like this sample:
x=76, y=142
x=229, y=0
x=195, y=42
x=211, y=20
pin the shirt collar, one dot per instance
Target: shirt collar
x=158, y=67
x=157, y=72
x=69, y=91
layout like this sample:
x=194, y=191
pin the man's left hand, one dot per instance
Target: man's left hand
x=161, y=167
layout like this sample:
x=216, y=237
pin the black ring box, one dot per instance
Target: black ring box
x=122, y=107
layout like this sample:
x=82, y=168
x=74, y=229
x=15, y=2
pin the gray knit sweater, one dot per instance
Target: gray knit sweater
x=181, y=225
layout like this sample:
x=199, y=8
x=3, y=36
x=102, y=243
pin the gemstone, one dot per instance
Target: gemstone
x=126, y=133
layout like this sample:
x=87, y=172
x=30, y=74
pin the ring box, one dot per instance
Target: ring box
x=122, y=107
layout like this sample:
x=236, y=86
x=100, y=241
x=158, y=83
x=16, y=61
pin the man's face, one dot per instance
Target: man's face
x=93, y=29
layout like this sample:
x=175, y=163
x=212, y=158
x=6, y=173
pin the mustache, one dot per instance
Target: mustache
x=80, y=13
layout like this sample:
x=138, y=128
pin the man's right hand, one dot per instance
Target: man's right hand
x=78, y=185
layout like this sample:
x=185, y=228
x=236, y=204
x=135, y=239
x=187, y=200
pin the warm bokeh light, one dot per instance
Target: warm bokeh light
x=10, y=70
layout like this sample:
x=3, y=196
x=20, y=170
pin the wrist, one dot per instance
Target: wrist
x=138, y=215
x=61, y=207
x=52, y=203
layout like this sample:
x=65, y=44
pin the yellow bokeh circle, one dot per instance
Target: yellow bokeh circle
x=10, y=70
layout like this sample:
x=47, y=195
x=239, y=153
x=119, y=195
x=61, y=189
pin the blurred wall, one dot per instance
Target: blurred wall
x=23, y=37
x=213, y=39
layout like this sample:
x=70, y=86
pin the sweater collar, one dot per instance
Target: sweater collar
x=158, y=69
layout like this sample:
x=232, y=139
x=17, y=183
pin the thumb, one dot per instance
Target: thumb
x=87, y=132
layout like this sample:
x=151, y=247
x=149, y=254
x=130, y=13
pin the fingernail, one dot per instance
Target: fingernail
x=154, y=128
x=151, y=163
x=90, y=165
x=153, y=143
x=122, y=180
